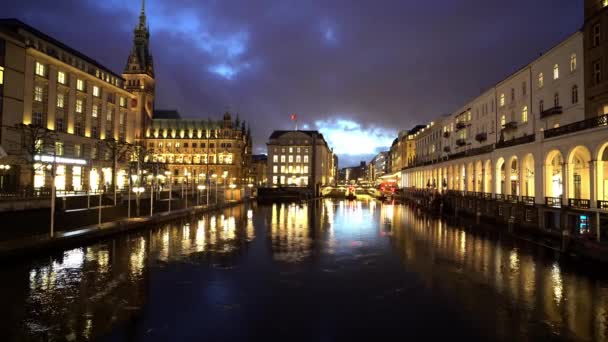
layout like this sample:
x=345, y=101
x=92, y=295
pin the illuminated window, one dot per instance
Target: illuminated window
x=38, y=93
x=298, y=159
x=291, y=150
x=555, y=71
x=109, y=114
x=524, y=114
x=469, y=115
x=502, y=99
x=574, y=94
x=37, y=119
x=282, y=158
x=77, y=150
x=274, y=179
x=61, y=77
x=573, y=62
x=1, y=75
x=40, y=69
x=275, y=169
x=123, y=102
x=282, y=168
x=305, y=169
x=291, y=159
x=95, y=111
x=306, y=159
x=77, y=178
x=541, y=80
x=78, y=106
x=503, y=121
x=59, y=148
x=60, y=99
x=80, y=85
x=96, y=92
x=290, y=169
x=275, y=158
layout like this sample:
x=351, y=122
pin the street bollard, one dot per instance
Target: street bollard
x=565, y=239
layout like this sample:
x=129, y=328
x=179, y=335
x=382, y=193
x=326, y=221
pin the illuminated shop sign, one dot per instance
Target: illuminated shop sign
x=60, y=160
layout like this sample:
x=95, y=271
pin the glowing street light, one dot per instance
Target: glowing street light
x=138, y=191
x=168, y=174
x=200, y=189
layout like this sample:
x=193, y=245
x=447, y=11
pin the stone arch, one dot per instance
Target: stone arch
x=487, y=187
x=579, y=185
x=470, y=177
x=500, y=176
x=512, y=176
x=478, y=176
x=527, y=176
x=554, y=174
x=602, y=172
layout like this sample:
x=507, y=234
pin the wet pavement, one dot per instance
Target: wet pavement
x=317, y=271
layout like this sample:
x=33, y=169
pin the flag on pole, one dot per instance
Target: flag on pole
x=294, y=118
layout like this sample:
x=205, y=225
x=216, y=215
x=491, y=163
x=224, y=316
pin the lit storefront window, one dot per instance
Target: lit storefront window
x=60, y=177
x=39, y=175
x=107, y=176
x=94, y=179
x=77, y=178
x=122, y=179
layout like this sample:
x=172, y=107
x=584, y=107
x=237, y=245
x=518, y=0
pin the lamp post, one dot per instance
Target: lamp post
x=187, y=174
x=224, y=176
x=53, y=175
x=168, y=174
x=250, y=186
x=200, y=189
x=138, y=191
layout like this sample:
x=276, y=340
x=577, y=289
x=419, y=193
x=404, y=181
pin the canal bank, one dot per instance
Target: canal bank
x=520, y=221
x=91, y=233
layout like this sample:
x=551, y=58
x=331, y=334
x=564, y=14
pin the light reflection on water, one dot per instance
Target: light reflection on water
x=511, y=289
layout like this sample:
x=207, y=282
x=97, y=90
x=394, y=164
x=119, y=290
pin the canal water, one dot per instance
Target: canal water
x=317, y=271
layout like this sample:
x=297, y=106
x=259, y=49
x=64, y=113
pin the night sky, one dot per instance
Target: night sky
x=357, y=70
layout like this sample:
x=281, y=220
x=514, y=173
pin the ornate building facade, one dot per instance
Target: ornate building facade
x=200, y=150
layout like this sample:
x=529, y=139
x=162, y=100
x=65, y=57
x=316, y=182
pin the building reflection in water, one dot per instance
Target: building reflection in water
x=290, y=232
x=443, y=256
x=507, y=287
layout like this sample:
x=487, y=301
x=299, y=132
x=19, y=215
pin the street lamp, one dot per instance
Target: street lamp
x=250, y=186
x=138, y=191
x=200, y=189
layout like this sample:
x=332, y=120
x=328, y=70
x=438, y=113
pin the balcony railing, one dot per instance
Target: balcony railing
x=511, y=125
x=460, y=125
x=551, y=111
x=461, y=142
x=500, y=197
x=487, y=195
x=579, y=203
x=512, y=198
x=527, y=200
x=481, y=137
x=517, y=141
x=597, y=121
x=555, y=202
x=603, y=205
x=446, y=134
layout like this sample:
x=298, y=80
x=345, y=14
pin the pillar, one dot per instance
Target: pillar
x=593, y=183
x=565, y=184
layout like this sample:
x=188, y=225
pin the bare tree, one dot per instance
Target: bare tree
x=118, y=151
x=32, y=141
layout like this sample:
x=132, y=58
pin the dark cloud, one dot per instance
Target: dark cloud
x=383, y=64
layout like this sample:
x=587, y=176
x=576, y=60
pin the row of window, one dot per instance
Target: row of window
x=290, y=181
x=190, y=134
x=186, y=145
x=290, y=159
x=291, y=149
x=290, y=169
x=41, y=70
x=194, y=159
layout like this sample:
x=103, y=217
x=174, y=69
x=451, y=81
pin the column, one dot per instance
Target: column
x=593, y=183
x=565, y=184
x=483, y=178
x=540, y=172
x=51, y=97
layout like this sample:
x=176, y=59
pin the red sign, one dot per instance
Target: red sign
x=294, y=117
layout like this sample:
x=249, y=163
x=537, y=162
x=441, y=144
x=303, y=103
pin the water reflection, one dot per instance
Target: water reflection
x=509, y=289
x=534, y=288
